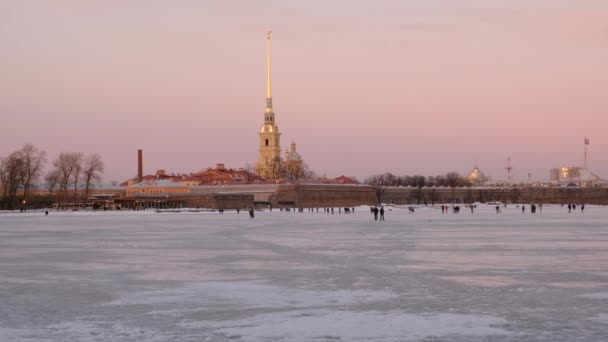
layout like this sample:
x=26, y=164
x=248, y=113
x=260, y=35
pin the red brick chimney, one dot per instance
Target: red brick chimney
x=140, y=166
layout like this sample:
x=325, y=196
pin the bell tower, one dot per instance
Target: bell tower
x=269, y=157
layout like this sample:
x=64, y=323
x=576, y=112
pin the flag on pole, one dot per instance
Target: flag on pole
x=586, y=141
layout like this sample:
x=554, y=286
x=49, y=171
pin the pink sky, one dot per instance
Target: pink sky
x=363, y=87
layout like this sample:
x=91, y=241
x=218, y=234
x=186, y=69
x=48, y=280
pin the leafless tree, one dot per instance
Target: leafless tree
x=433, y=195
x=52, y=179
x=92, y=170
x=33, y=164
x=297, y=169
x=250, y=172
x=64, y=172
x=275, y=169
x=259, y=170
x=419, y=182
x=294, y=169
x=308, y=172
x=12, y=174
x=77, y=167
x=453, y=180
x=380, y=183
x=3, y=180
x=65, y=165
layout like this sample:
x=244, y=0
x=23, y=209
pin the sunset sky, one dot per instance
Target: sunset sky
x=362, y=86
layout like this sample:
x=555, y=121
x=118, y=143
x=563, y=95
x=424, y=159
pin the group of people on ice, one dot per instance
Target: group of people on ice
x=573, y=207
x=378, y=212
x=532, y=208
x=375, y=211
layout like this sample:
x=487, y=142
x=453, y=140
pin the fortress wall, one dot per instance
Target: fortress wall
x=218, y=201
x=325, y=195
x=330, y=195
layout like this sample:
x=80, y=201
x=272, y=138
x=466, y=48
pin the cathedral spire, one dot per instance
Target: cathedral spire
x=268, y=79
x=269, y=157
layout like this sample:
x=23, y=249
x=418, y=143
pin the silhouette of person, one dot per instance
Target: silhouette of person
x=381, y=213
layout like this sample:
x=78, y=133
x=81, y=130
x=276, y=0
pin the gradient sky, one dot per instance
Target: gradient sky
x=362, y=86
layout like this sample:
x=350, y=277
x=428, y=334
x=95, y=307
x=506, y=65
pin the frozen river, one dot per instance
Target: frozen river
x=144, y=276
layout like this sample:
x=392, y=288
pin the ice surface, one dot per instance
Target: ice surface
x=348, y=325
x=143, y=276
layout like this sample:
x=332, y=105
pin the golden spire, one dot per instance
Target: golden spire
x=268, y=79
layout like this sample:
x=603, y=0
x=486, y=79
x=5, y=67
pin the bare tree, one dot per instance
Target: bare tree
x=51, y=179
x=294, y=169
x=419, y=182
x=64, y=172
x=5, y=182
x=275, y=169
x=297, y=169
x=433, y=195
x=259, y=170
x=453, y=180
x=380, y=183
x=12, y=174
x=308, y=172
x=33, y=163
x=65, y=165
x=92, y=170
x=77, y=166
x=250, y=172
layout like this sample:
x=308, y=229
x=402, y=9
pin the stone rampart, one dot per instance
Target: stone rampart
x=345, y=195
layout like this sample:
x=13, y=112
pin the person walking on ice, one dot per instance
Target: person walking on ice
x=382, y=213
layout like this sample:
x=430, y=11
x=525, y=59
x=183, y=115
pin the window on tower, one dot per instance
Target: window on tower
x=267, y=142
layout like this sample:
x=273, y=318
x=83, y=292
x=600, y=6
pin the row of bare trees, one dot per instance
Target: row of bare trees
x=382, y=181
x=74, y=169
x=18, y=173
x=22, y=169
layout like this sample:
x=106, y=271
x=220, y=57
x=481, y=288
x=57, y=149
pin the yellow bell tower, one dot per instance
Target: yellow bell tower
x=269, y=158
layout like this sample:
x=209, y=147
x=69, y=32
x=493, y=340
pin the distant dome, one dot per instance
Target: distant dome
x=475, y=173
x=477, y=177
x=294, y=156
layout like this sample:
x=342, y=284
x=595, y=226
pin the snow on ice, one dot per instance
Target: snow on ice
x=285, y=276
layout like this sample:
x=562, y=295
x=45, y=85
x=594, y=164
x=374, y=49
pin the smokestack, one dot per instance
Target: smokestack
x=140, y=168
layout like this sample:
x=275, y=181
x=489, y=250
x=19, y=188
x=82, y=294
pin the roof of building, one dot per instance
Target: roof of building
x=157, y=183
x=345, y=180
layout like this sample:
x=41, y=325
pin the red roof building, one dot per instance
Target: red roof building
x=345, y=180
x=210, y=176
